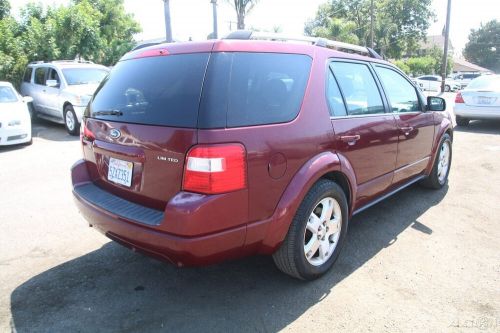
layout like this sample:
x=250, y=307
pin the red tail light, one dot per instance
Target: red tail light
x=215, y=169
x=459, y=99
x=85, y=133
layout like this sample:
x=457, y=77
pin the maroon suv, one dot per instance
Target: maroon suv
x=201, y=152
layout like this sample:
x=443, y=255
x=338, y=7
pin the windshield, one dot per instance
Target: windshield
x=7, y=95
x=152, y=90
x=488, y=82
x=76, y=76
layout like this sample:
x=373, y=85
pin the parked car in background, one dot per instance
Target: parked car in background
x=205, y=151
x=464, y=78
x=15, y=121
x=433, y=83
x=479, y=100
x=62, y=89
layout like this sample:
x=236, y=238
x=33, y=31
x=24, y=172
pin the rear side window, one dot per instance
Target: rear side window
x=154, y=90
x=27, y=74
x=358, y=87
x=401, y=93
x=40, y=75
x=335, y=101
x=245, y=89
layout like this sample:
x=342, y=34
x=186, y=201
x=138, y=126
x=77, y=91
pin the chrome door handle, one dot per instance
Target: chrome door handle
x=407, y=130
x=350, y=139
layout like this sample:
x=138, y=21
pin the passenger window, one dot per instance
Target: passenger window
x=27, y=74
x=335, y=101
x=358, y=87
x=40, y=75
x=53, y=75
x=401, y=93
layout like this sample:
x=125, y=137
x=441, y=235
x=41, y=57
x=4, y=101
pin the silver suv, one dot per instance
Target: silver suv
x=62, y=89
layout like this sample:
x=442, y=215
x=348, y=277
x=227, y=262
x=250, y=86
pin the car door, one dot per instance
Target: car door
x=435, y=83
x=416, y=126
x=37, y=89
x=366, y=135
x=52, y=94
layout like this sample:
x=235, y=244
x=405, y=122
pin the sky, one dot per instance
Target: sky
x=193, y=18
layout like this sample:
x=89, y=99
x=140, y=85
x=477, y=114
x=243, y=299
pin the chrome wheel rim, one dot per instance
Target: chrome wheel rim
x=443, y=162
x=70, y=120
x=322, y=231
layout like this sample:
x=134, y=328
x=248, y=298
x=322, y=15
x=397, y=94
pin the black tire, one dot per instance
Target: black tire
x=462, y=121
x=75, y=129
x=433, y=181
x=447, y=88
x=290, y=257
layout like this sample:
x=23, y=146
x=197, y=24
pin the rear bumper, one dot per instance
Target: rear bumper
x=477, y=112
x=152, y=239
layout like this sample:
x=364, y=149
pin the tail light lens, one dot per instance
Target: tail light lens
x=459, y=98
x=85, y=133
x=215, y=169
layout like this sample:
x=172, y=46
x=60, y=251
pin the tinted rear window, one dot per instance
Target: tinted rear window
x=155, y=90
x=27, y=74
x=245, y=89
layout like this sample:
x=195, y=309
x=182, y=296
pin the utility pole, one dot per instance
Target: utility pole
x=446, y=42
x=168, y=27
x=371, y=24
x=214, y=11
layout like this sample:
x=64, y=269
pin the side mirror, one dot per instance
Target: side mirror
x=436, y=103
x=52, y=83
x=27, y=99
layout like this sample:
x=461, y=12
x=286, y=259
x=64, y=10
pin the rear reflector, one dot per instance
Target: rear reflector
x=459, y=99
x=215, y=169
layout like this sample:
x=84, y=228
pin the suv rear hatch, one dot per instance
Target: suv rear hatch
x=140, y=124
x=144, y=118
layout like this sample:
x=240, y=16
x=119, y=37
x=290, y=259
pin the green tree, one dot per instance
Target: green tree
x=12, y=57
x=242, y=8
x=337, y=29
x=116, y=29
x=483, y=47
x=399, y=24
x=4, y=9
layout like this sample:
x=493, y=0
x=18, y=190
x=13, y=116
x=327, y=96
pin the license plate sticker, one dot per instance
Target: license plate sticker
x=120, y=172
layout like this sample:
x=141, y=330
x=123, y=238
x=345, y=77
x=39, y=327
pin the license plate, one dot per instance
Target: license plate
x=484, y=100
x=120, y=172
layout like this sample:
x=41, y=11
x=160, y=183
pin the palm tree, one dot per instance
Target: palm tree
x=242, y=8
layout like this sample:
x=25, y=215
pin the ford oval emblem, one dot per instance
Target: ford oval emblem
x=114, y=133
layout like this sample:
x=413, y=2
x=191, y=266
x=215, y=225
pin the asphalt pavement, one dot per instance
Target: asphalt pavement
x=423, y=261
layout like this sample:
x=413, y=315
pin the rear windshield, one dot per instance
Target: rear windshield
x=245, y=89
x=153, y=91
x=239, y=89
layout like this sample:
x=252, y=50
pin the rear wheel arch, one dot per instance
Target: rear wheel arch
x=343, y=181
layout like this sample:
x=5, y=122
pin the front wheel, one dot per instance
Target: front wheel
x=316, y=234
x=439, y=174
x=71, y=121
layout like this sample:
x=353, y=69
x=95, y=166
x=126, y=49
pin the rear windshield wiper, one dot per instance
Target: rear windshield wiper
x=107, y=113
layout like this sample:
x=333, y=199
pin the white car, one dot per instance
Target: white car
x=479, y=100
x=15, y=120
x=433, y=83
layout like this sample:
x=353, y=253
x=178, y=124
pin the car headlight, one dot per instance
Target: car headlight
x=14, y=122
x=82, y=100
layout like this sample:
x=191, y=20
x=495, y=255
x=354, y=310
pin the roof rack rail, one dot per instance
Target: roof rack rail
x=60, y=61
x=318, y=41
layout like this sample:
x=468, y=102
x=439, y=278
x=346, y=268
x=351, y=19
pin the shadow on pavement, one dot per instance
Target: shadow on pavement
x=481, y=126
x=47, y=130
x=113, y=289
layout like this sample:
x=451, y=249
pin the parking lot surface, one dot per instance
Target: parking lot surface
x=420, y=261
